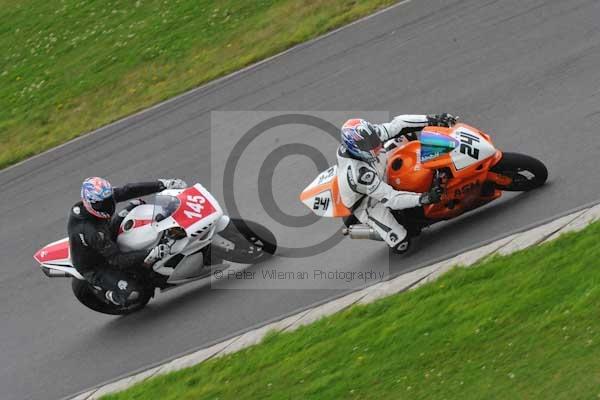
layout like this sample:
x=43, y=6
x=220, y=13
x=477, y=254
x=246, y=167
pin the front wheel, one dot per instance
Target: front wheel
x=93, y=299
x=246, y=242
x=526, y=172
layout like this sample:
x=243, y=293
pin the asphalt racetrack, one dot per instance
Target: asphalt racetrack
x=525, y=72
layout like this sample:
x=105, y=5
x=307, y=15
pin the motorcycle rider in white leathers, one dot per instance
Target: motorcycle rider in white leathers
x=362, y=174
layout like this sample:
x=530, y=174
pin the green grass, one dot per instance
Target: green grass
x=68, y=66
x=526, y=326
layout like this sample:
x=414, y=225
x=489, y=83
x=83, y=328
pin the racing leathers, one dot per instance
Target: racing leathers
x=363, y=187
x=94, y=251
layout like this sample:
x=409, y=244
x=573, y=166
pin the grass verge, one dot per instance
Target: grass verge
x=521, y=326
x=69, y=66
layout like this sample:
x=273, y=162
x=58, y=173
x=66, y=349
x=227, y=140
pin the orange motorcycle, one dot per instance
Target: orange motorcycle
x=462, y=160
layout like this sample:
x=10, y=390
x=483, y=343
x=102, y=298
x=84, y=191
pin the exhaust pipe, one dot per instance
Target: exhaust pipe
x=55, y=273
x=361, y=231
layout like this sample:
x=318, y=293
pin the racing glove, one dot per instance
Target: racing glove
x=173, y=183
x=157, y=253
x=432, y=197
x=444, y=119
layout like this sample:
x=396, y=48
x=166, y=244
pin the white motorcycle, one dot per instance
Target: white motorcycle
x=191, y=223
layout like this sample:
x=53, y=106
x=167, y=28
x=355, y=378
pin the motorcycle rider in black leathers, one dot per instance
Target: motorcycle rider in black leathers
x=93, y=230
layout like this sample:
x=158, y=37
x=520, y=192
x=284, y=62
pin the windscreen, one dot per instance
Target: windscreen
x=164, y=206
x=435, y=144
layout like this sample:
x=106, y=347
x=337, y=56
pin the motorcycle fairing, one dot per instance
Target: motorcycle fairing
x=405, y=170
x=57, y=256
x=193, y=209
x=198, y=210
x=199, y=214
x=136, y=231
x=322, y=196
x=473, y=147
x=469, y=163
x=54, y=253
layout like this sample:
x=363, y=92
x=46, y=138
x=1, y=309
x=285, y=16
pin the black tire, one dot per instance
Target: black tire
x=88, y=296
x=253, y=242
x=514, y=165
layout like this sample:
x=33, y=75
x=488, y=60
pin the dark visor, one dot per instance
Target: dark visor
x=370, y=142
x=107, y=205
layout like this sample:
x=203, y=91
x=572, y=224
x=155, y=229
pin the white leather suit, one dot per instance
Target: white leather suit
x=363, y=186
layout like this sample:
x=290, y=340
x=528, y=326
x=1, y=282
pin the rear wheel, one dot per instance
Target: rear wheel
x=526, y=172
x=252, y=242
x=93, y=299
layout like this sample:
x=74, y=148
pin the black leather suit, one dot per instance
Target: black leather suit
x=94, y=251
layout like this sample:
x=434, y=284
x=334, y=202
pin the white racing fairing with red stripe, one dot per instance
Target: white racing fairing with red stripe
x=55, y=259
x=137, y=231
x=198, y=210
x=193, y=210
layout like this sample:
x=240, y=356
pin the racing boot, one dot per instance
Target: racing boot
x=403, y=247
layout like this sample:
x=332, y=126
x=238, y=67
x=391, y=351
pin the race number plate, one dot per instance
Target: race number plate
x=194, y=207
x=472, y=148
